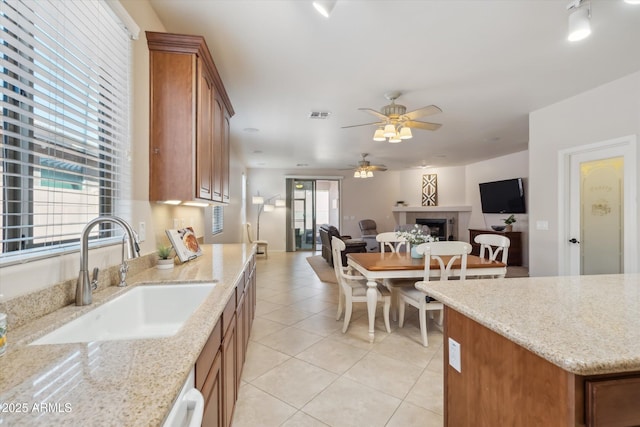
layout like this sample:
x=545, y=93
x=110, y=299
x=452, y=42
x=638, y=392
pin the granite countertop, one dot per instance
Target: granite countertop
x=587, y=325
x=114, y=383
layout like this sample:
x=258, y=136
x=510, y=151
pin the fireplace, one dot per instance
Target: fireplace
x=438, y=226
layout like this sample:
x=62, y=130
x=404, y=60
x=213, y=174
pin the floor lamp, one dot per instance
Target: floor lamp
x=265, y=206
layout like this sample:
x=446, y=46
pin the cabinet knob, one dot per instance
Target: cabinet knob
x=156, y=151
x=574, y=240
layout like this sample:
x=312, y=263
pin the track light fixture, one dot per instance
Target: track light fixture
x=579, y=20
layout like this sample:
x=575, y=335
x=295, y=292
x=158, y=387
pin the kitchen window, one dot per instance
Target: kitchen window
x=65, y=77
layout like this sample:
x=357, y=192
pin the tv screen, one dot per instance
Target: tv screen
x=505, y=196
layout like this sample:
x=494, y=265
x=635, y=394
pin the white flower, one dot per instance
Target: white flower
x=415, y=236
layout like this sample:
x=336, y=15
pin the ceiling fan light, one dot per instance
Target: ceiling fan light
x=579, y=24
x=379, y=135
x=395, y=138
x=405, y=133
x=389, y=131
x=632, y=1
x=369, y=174
x=324, y=7
x=356, y=174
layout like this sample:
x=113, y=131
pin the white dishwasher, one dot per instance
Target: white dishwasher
x=189, y=405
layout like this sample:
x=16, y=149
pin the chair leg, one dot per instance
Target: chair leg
x=400, y=312
x=423, y=326
x=387, y=307
x=340, y=303
x=347, y=314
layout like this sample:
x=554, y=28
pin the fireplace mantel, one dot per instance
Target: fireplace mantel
x=431, y=209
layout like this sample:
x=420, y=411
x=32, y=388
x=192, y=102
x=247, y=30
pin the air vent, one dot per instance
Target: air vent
x=320, y=115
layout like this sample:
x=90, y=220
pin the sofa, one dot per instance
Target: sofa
x=352, y=245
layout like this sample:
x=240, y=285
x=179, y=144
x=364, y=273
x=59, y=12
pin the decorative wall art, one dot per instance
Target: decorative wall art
x=430, y=190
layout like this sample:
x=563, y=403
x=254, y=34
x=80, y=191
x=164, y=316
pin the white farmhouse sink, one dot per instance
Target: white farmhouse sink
x=148, y=311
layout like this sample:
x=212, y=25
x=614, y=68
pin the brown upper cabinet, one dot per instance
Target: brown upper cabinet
x=189, y=121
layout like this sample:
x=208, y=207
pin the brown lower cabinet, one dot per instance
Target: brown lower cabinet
x=501, y=383
x=219, y=365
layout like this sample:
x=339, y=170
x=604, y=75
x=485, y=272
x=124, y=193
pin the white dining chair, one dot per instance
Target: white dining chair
x=493, y=245
x=417, y=298
x=390, y=241
x=353, y=288
x=260, y=243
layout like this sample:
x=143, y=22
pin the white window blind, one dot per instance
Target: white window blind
x=65, y=111
x=217, y=219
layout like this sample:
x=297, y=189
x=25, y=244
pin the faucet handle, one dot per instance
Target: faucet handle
x=94, y=279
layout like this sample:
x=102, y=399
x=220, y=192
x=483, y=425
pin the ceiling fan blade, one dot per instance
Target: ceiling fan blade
x=375, y=113
x=422, y=112
x=364, y=124
x=380, y=168
x=422, y=125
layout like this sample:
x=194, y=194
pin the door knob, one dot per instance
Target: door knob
x=574, y=240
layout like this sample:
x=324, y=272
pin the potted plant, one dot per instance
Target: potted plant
x=415, y=237
x=508, y=222
x=165, y=260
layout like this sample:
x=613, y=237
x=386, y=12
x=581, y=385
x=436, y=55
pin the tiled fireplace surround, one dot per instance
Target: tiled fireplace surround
x=455, y=218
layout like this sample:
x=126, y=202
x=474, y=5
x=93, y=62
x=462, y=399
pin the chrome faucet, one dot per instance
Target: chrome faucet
x=124, y=267
x=84, y=287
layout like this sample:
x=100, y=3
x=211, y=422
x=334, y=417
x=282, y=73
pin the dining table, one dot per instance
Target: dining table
x=376, y=266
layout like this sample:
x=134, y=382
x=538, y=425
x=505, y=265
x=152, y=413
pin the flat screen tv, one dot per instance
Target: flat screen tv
x=505, y=196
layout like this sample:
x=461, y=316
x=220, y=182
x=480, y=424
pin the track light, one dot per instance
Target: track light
x=324, y=7
x=579, y=20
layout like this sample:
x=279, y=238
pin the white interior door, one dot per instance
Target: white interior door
x=601, y=226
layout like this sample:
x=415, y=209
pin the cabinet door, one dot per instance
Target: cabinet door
x=204, y=135
x=226, y=154
x=229, y=372
x=240, y=336
x=213, y=412
x=218, y=153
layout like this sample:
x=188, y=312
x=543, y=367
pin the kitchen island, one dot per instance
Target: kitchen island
x=552, y=351
x=126, y=382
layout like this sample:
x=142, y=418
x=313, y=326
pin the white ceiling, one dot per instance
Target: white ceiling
x=486, y=64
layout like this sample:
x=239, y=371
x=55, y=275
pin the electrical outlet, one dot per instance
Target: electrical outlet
x=142, y=231
x=454, y=355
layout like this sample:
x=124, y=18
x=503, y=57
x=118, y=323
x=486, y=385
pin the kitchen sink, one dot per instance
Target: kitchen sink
x=146, y=311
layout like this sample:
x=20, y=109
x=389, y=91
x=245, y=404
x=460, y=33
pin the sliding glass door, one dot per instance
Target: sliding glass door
x=311, y=202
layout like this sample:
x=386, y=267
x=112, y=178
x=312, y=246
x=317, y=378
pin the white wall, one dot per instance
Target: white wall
x=606, y=112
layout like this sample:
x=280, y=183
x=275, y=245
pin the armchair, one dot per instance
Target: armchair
x=351, y=245
x=368, y=229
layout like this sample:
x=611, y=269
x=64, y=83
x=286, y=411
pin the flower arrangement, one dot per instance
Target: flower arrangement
x=415, y=236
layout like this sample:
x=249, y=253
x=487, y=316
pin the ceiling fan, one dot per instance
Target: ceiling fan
x=395, y=123
x=365, y=169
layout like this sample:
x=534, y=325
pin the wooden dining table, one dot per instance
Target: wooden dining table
x=400, y=265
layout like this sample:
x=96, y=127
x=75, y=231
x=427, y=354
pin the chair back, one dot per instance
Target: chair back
x=368, y=227
x=337, y=246
x=390, y=241
x=493, y=244
x=249, y=232
x=436, y=250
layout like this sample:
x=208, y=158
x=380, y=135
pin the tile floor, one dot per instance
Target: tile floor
x=301, y=370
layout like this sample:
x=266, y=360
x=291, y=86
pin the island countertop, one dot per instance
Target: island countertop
x=128, y=382
x=586, y=325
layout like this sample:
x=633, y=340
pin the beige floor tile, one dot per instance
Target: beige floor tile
x=332, y=355
x=290, y=341
x=385, y=374
x=346, y=403
x=265, y=307
x=300, y=419
x=409, y=415
x=428, y=392
x=287, y=315
x=321, y=324
x=263, y=327
x=295, y=382
x=257, y=408
x=358, y=335
x=406, y=350
x=261, y=359
x=316, y=304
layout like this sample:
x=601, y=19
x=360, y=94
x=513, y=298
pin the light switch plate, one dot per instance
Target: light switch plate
x=142, y=231
x=454, y=355
x=542, y=225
